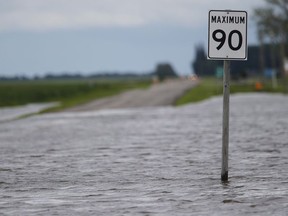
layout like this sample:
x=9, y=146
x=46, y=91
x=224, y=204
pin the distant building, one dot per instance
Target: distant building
x=259, y=60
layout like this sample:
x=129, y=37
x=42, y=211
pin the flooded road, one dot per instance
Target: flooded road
x=148, y=161
x=160, y=94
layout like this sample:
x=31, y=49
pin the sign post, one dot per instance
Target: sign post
x=227, y=41
x=225, y=122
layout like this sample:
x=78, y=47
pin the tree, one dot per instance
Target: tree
x=164, y=71
x=202, y=66
x=272, y=24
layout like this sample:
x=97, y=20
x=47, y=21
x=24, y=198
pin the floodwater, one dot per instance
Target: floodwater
x=10, y=113
x=152, y=161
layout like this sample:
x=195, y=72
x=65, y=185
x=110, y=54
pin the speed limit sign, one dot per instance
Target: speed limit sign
x=227, y=35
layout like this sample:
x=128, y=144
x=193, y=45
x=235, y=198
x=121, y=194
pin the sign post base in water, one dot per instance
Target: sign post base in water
x=225, y=132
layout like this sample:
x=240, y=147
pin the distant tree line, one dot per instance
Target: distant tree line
x=56, y=76
x=162, y=71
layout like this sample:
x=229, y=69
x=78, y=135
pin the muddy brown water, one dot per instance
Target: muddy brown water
x=148, y=161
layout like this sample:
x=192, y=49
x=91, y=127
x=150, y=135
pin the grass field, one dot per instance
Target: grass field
x=74, y=92
x=69, y=93
x=209, y=87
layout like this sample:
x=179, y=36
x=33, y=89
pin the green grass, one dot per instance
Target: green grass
x=209, y=87
x=68, y=93
x=205, y=89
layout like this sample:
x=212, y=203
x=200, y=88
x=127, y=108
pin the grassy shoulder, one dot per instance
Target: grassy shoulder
x=69, y=93
x=209, y=87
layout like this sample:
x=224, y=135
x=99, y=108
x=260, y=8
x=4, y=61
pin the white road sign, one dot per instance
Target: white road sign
x=227, y=35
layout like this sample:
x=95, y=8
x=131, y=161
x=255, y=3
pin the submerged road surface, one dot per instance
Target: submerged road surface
x=161, y=94
x=148, y=161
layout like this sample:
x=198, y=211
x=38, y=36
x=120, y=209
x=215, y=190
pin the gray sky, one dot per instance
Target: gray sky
x=40, y=36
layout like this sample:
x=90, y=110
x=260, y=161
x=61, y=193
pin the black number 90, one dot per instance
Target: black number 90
x=220, y=36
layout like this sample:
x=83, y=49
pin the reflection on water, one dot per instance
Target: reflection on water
x=155, y=161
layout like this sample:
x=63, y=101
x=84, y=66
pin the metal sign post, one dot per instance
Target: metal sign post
x=225, y=131
x=227, y=41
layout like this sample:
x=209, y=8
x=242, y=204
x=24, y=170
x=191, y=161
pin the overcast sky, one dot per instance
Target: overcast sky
x=40, y=36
